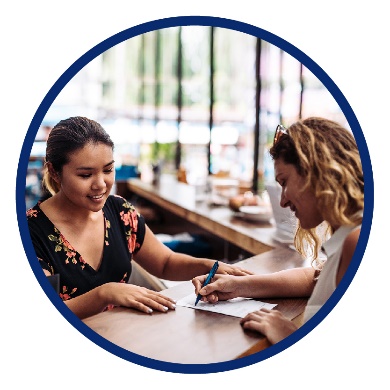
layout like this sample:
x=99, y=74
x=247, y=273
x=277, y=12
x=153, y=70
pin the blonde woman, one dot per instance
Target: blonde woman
x=318, y=166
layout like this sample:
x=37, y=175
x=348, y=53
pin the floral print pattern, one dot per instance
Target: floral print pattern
x=65, y=295
x=130, y=218
x=63, y=245
x=123, y=237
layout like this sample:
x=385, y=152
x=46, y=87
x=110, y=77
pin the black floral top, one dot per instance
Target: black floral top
x=125, y=232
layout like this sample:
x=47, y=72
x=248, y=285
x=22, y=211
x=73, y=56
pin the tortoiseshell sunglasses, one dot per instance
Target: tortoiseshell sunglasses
x=280, y=130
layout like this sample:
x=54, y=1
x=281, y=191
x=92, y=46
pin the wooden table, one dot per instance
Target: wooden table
x=180, y=199
x=193, y=336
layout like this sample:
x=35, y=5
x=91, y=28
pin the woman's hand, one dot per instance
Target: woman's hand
x=136, y=297
x=271, y=323
x=221, y=288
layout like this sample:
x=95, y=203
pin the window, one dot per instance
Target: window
x=203, y=98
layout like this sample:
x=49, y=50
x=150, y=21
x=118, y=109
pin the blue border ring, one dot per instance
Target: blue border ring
x=199, y=21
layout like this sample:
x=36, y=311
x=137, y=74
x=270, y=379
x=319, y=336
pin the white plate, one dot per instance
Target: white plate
x=256, y=213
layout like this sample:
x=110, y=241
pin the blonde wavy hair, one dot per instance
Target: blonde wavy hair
x=326, y=155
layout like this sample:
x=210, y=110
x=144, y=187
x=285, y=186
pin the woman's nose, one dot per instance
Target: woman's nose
x=99, y=182
x=283, y=200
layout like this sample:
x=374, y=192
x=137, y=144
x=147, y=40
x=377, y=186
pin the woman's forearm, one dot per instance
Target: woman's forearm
x=90, y=303
x=297, y=282
x=162, y=262
x=180, y=266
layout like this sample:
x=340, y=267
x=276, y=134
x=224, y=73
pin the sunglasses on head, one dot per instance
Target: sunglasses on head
x=280, y=130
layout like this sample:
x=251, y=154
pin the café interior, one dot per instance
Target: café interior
x=192, y=111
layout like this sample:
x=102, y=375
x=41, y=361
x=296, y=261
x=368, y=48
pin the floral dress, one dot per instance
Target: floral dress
x=124, y=235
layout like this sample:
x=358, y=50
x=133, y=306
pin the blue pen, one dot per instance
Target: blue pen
x=208, y=280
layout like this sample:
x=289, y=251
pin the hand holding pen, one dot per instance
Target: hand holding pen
x=208, y=280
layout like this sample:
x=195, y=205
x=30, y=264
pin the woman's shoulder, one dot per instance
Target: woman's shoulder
x=118, y=202
x=37, y=221
x=350, y=241
x=348, y=250
x=123, y=212
x=34, y=213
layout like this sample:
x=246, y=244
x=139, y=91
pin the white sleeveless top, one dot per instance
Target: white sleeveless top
x=326, y=282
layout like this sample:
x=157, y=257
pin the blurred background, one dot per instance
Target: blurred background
x=192, y=101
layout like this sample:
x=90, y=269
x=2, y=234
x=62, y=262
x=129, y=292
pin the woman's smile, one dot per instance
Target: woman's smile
x=96, y=198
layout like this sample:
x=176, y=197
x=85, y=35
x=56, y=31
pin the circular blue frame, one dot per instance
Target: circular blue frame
x=192, y=21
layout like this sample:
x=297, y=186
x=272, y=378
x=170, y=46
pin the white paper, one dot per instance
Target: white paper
x=236, y=307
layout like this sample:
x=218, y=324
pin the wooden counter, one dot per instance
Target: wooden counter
x=191, y=336
x=179, y=199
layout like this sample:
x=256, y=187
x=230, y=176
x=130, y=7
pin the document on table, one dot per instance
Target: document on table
x=236, y=307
